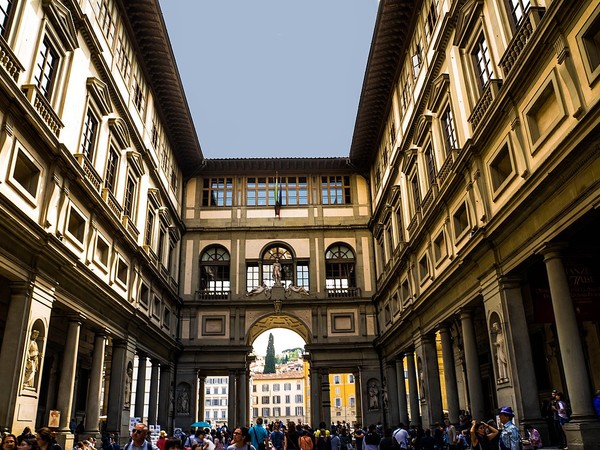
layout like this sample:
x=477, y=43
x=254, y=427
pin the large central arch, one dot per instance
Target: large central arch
x=270, y=321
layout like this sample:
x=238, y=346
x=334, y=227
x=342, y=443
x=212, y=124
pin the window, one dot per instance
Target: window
x=405, y=292
x=265, y=388
x=110, y=176
x=335, y=190
x=266, y=412
x=124, y=56
x=145, y=295
x=276, y=387
x=483, y=63
x=293, y=190
x=276, y=399
x=137, y=91
x=106, y=20
x=338, y=402
x=589, y=43
x=45, y=67
x=439, y=247
x=417, y=61
x=302, y=275
x=265, y=399
x=102, y=251
x=518, y=9
x=299, y=410
x=166, y=318
x=431, y=19
x=350, y=378
x=122, y=271
x=76, y=225
x=261, y=273
x=287, y=399
x=252, y=276
x=288, y=410
x=26, y=173
x=5, y=16
x=129, y=200
x=217, y=192
x=352, y=402
x=339, y=269
x=416, y=195
x=460, y=220
x=90, y=132
x=429, y=160
x=214, y=271
x=399, y=225
x=501, y=167
x=424, y=268
x=298, y=386
x=287, y=387
x=156, y=307
x=260, y=191
x=336, y=379
x=449, y=130
x=149, y=227
x=276, y=412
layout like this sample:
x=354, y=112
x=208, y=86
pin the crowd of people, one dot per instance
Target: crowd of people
x=468, y=433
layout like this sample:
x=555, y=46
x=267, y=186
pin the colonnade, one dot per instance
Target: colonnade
x=515, y=383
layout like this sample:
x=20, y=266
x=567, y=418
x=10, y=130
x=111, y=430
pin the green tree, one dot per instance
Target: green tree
x=270, y=357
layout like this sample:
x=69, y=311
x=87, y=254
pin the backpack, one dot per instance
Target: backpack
x=306, y=442
x=323, y=442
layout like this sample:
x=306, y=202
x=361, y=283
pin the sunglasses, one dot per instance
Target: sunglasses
x=138, y=431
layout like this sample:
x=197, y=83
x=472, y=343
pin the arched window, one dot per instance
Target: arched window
x=214, y=273
x=340, y=279
x=293, y=271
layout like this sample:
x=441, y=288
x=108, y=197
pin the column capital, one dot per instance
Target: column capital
x=465, y=314
x=444, y=327
x=552, y=250
x=141, y=354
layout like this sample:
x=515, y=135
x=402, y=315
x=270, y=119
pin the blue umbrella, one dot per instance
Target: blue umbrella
x=200, y=425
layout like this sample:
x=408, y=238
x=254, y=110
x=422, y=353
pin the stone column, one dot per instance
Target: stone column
x=325, y=397
x=432, y=380
x=390, y=397
x=413, y=394
x=315, y=396
x=116, y=396
x=165, y=397
x=232, y=416
x=64, y=401
x=475, y=388
x=152, y=406
x=401, y=389
x=140, y=390
x=201, y=397
x=242, y=400
x=569, y=339
x=358, y=395
x=92, y=409
x=449, y=374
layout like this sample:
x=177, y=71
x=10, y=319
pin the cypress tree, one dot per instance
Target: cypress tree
x=270, y=357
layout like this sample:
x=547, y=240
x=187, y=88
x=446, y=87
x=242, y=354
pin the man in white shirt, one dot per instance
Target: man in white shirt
x=401, y=436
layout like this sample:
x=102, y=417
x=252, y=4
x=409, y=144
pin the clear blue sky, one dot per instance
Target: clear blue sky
x=272, y=78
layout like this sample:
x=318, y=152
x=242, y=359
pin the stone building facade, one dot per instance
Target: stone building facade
x=95, y=143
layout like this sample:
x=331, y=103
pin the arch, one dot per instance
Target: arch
x=288, y=321
x=291, y=271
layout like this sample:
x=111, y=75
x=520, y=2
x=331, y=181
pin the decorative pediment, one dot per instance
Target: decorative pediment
x=62, y=23
x=99, y=92
x=120, y=132
x=422, y=129
x=409, y=160
x=439, y=91
x=135, y=162
x=468, y=16
x=154, y=197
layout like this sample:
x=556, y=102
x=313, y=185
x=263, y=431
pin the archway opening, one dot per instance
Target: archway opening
x=279, y=391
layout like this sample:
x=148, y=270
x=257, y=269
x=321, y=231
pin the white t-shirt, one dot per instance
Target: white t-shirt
x=401, y=435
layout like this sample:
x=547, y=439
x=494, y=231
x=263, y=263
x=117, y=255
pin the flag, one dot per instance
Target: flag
x=277, y=197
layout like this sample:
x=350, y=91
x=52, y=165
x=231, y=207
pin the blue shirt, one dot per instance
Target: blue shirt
x=509, y=436
x=258, y=434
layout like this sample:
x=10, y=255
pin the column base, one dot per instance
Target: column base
x=65, y=439
x=583, y=435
